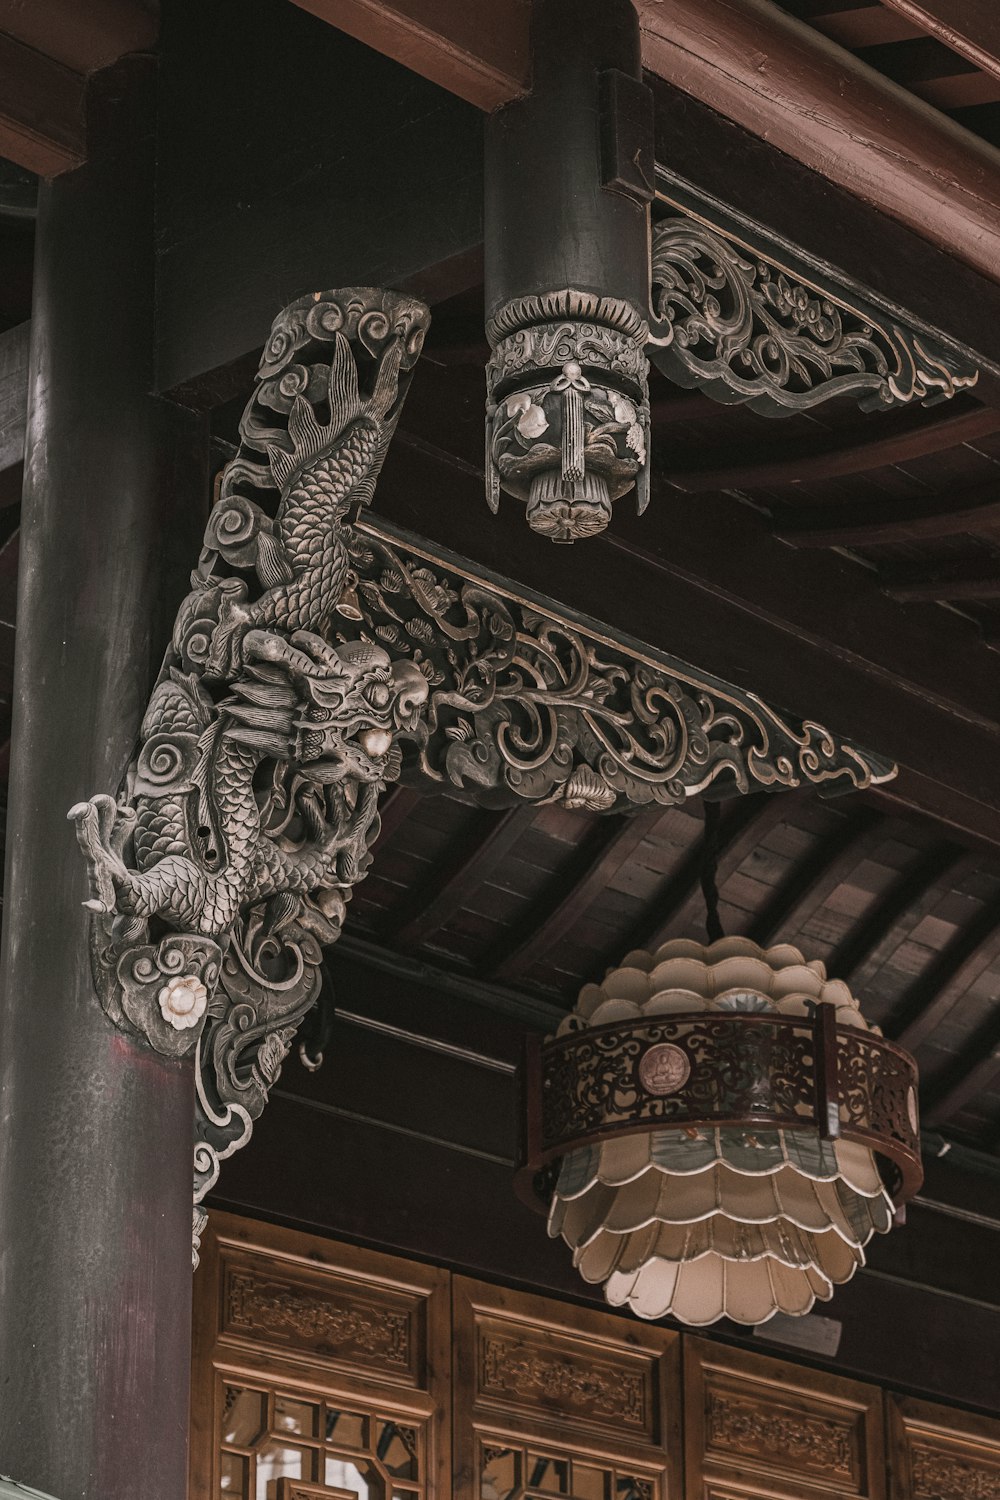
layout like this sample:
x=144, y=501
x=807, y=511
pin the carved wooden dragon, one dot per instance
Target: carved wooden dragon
x=249, y=811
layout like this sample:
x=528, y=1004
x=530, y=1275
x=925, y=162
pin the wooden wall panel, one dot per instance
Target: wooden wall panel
x=936, y=1453
x=319, y=1370
x=557, y=1399
x=762, y=1429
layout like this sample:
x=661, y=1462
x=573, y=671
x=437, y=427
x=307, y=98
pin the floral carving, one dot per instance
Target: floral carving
x=779, y=1433
x=527, y=704
x=612, y=1394
x=567, y=414
x=379, y=1333
x=945, y=1476
x=743, y=329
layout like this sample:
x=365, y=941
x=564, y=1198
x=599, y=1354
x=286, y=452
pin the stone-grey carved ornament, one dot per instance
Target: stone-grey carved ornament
x=733, y=324
x=567, y=409
x=251, y=806
x=308, y=652
x=529, y=704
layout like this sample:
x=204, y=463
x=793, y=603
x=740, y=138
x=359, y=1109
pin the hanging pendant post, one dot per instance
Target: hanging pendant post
x=569, y=178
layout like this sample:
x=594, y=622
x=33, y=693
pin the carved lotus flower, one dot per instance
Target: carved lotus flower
x=532, y=421
x=183, y=1001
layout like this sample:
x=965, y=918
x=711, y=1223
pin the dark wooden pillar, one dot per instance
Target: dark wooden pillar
x=95, y=1132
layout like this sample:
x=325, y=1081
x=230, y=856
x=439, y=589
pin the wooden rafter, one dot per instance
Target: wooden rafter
x=917, y=438
x=770, y=73
x=467, y=864
x=946, y=978
x=927, y=871
x=570, y=893
x=970, y=512
x=969, y=27
x=800, y=887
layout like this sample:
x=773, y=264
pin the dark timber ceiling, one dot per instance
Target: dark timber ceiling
x=901, y=51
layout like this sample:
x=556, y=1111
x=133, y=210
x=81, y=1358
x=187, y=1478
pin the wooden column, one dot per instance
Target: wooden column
x=95, y=1132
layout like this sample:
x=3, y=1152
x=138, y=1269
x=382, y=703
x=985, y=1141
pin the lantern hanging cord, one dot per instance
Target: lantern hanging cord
x=710, y=849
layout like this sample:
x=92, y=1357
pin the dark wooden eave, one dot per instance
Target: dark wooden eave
x=47, y=50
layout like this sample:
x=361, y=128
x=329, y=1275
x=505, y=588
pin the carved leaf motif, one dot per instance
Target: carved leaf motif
x=271, y=1307
x=610, y=1394
x=780, y=1434
x=945, y=1476
x=746, y=330
x=528, y=705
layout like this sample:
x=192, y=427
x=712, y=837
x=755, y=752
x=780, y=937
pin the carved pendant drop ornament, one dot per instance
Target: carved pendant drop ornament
x=249, y=811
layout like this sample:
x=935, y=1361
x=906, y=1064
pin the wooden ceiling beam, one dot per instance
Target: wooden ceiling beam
x=942, y=588
x=42, y=125
x=928, y=870
x=946, y=978
x=969, y=27
x=770, y=73
x=799, y=890
x=914, y=439
x=571, y=893
x=465, y=866
x=971, y=512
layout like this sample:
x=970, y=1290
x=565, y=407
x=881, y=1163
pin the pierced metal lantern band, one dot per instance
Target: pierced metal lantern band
x=731, y=320
x=701, y=1071
x=527, y=703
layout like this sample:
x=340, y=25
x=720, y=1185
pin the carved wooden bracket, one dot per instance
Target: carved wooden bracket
x=308, y=654
x=739, y=318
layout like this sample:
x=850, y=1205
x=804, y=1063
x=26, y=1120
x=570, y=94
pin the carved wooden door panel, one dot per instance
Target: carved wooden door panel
x=554, y=1401
x=759, y=1429
x=936, y=1453
x=321, y=1372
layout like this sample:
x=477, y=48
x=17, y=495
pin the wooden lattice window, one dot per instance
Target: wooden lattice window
x=319, y=1371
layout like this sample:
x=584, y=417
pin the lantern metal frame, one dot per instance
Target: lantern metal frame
x=752, y=1071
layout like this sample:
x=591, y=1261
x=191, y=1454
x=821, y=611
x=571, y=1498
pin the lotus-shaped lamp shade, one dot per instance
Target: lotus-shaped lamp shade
x=705, y=1223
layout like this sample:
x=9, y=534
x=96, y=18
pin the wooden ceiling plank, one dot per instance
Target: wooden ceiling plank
x=965, y=1077
x=737, y=847
x=742, y=827
x=466, y=866
x=969, y=513
x=946, y=978
x=945, y=430
x=393, y=811
x=969, y=27
x=571, y=894
x=798, y=890
x=928, y=870
x=836, y=861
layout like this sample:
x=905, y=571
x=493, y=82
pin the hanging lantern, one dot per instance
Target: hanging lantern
x=705, y=1127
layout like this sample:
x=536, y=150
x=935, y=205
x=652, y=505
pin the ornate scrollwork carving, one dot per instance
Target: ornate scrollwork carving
x=745, y=330
x=253, y=800
x=307, y=651
x=525, y=703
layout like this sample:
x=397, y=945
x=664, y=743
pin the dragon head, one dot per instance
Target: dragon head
x=334, y=711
